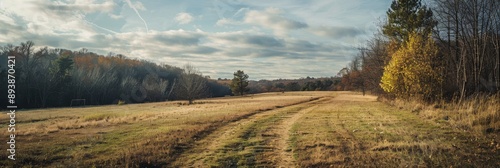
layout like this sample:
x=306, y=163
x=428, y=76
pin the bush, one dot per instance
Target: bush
x=121, y=102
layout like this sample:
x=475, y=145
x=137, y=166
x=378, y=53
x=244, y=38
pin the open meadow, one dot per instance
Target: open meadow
x=291, y=129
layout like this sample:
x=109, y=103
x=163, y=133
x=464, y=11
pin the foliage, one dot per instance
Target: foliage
x=61, y=67
x=405, y=17
x=292, y=86
x=218, y=90
x=121, y=102
x=53, y=77
x=414, y=70
x=239, y=83
x=464, y=61
x=281, y=85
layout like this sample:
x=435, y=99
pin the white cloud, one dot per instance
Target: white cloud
x=236, y=42
x=183, y=18
x=7, y=20
x=50, y=18
x=113, y=16
x=273, y=18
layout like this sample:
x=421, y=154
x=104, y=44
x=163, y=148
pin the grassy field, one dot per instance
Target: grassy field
x=293, y=129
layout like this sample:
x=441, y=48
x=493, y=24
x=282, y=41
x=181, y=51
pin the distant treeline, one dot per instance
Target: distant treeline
x=303, y=84
x=54, y=77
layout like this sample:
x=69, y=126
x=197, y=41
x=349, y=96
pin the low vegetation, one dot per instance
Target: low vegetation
x=357, y=131
x=478, y=114
x=137, y=135
x=305, y=129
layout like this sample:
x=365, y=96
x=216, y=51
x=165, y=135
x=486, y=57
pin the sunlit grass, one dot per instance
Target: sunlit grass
x=135, y=135
x=357, y=133
x=329, y=129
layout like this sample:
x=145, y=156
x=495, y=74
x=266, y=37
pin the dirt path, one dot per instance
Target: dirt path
x=206, y=148
x=209, y=149
x=281, y=142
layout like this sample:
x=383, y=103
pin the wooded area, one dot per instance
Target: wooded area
x=54, y=77
x=447, y=50
x=59, y=77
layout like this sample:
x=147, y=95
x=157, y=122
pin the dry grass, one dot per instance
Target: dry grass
x=479, y=114
x=355, y=132
x=348, y=130
x=135, y=135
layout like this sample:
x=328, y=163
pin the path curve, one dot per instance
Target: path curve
x=206, y=148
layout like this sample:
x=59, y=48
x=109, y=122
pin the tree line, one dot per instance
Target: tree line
x=48, y=77
x=282, y=85
x=54, y=77
x=447, y=50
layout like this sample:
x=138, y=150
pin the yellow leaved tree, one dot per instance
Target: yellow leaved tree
x=414, y=70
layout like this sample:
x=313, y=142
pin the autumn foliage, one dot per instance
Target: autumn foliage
x=449, y=51
x=414, y=70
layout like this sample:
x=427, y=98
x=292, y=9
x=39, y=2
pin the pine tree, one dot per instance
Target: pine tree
x=239, y=83
x=407, y=16
x=60, y=77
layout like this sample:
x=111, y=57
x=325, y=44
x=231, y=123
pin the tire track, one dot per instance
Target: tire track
x=283, y=154
x=205, y=150
x=281, y=144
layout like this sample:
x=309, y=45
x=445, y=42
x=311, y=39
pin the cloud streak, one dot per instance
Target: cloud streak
x=132, y=6
x=81, y=17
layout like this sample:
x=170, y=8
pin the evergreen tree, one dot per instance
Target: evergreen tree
x=239, y=83
x=406, y=16
x=60, y=76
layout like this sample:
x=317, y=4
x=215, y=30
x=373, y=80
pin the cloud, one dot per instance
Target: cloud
x=113, y=16
x=183, y=18
x=49, y=18
x=247, y=38
x=225, y=21
x=83, y=7
x=264, y=41
x=272, y=18
x=178, y=37
x=337, y=32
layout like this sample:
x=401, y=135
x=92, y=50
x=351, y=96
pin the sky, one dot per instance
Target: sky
x=266, y=39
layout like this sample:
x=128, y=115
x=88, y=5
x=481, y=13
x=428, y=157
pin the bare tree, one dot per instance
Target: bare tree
x=469, y=33
x=192, y=85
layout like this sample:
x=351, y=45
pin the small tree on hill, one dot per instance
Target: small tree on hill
x=239, y=83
